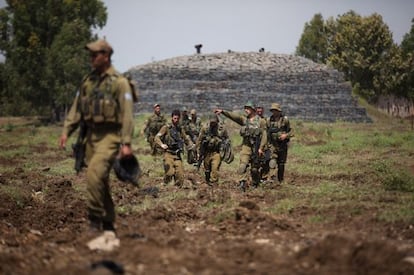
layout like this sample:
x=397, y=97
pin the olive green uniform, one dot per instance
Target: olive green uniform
x=208, y=146
x=254, y=136
x=175, y=138
x=193, y=128
x=151, y=127
x=276, y=126
x=105, y=104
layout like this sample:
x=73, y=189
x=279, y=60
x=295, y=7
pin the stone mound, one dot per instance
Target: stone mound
x=306, y=90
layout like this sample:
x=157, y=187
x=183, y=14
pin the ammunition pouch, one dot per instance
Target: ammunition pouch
x=99, y=108
x=250, y=131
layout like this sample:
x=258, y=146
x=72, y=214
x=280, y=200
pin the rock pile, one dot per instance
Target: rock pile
x=306, y=90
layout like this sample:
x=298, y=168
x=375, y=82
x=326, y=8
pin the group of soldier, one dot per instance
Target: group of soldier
x=103, y=109
x=263, y=151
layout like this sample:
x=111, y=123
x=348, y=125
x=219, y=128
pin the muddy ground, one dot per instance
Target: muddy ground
x=43, y=228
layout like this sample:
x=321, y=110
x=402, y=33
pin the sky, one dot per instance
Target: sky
x=142, y=31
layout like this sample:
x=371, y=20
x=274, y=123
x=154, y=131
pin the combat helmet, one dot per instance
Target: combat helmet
x=275, y=106
x=127, y=169
x=250, y=105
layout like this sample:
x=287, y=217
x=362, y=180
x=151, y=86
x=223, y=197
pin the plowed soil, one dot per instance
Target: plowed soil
x=192, y=230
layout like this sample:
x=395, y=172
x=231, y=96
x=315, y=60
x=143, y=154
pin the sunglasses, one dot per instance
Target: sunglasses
x=95, y=54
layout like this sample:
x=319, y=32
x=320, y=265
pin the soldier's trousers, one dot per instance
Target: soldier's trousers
x=102, y=148
x=278, y=160
x=173, y=169
x=212, y=162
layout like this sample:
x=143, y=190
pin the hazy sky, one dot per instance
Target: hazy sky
x=142, y=31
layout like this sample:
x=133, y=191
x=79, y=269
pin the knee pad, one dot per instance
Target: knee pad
x=242, y=169
x=272, y=163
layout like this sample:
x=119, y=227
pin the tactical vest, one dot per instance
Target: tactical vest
x=173, y=139
x=275, y=128
x=213, y=140
x=99, y=101
x=251, y=130
x=155, y=124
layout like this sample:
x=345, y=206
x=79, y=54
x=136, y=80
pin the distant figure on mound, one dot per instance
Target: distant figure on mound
x=151, y=127
x=253, y=132
x=198, y=48
x=104, y=104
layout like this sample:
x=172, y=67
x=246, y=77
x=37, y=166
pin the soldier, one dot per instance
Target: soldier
x=193, y=130
x=265, y=164
x=253, y=132
x=172, y=138
x=152, y=126
x=279, y=134
x=260, y=111
x=208, y=147
x=104, y=104
x=194, y=125
x=184, y=119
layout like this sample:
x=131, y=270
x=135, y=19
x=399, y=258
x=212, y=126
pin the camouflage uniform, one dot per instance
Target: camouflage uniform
x=105, y=104
x=151, y=127
x=276, y=126
x=254, y=136
x=174, y=137
x=192, y=128
x=208, y=147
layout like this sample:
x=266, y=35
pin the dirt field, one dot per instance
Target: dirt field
x=187, y=231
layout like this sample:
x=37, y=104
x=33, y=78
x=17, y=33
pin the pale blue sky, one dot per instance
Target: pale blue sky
x=149, y=30
x=142, y=31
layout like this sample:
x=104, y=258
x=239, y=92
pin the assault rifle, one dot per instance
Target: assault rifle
x=176, y=147
x=258, y=162
x=203, y=149
x=79, y=148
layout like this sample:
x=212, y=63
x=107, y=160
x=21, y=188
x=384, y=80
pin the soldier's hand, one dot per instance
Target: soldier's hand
x=218, y=111
x=164, y=146
x=126, y=150
x=62, y=141
x=283, y=136
x=260, y=151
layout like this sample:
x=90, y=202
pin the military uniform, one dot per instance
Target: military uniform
x=194, y=126
x=254, y=136
x=208, y=146
x=105, y=104
x=174, y=137
x=276, y=126
x=151, y=127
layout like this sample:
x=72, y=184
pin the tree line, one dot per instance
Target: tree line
x=363, y=49
x=42, y=43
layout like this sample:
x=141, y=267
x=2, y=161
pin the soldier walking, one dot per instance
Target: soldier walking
x=172, y=138
x=152, y=126
x=208, y=146
x=253, y=132
x=279, y=134
x=104, y=104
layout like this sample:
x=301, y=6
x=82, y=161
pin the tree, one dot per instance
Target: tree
x=313, y=43
x=407, y=47
x=29, y=31
x=407, y=44
x=359, y=48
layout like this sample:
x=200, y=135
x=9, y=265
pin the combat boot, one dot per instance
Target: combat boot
x=242, y=185
x=207, y=177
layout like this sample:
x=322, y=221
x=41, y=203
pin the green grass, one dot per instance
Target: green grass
x=332, y=169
